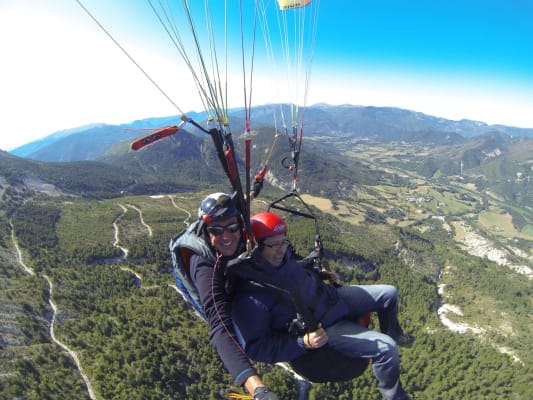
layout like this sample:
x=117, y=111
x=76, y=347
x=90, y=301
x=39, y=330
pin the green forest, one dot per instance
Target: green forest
x=136, y=338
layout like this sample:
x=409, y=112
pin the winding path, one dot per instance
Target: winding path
x=189, y=215
x=26, y=269
x=148, y=227
x=137, y=276
x=124, y=250
x=71, y=353
x=116, y=230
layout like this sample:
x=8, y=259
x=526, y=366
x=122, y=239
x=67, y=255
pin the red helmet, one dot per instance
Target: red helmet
x=266, y=224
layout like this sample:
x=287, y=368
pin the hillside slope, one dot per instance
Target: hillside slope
x=109, y=266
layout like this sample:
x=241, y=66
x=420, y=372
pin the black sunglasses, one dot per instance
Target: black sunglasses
x=218, y=230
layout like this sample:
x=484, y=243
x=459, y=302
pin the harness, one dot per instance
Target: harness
x=182, y=247
x=320, y=365
x=251, y=278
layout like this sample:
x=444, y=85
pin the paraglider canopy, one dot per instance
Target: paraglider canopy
x=286, y=4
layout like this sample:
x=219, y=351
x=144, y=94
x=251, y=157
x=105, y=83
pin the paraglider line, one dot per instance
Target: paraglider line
x=129, y=56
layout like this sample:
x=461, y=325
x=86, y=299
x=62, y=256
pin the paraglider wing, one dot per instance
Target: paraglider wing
x=286, y=4
x=155, y=136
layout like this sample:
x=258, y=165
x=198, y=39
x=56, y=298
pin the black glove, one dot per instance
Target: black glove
x=264, y=393
x=312, y=261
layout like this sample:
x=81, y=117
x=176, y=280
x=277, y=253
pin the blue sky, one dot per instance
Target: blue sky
x=454, y=59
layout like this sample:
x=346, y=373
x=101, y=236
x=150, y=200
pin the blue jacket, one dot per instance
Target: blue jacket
x=262, y=315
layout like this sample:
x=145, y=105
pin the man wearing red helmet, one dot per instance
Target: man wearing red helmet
x=271, y=278
x=219, y=238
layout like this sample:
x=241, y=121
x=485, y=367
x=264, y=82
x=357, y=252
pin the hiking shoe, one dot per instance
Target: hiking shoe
x=405, y=341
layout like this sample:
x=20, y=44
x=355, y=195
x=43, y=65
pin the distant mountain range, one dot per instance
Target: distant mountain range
x=379, y=123
x=344, y=147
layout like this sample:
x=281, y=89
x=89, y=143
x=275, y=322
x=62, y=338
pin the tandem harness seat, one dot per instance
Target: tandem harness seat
x=339, y=366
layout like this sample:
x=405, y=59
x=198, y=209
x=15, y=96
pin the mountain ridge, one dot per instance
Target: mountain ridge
x=386, y=123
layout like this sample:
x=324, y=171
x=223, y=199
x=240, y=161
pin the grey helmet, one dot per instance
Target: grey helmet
x=217, y=206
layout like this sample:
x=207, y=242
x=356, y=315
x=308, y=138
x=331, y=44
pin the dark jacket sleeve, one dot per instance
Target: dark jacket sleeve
x=253, y=319
x=211, y=285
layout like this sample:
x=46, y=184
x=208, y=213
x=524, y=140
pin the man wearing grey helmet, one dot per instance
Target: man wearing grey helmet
x=220, y=232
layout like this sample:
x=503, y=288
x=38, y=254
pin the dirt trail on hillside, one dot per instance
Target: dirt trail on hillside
x=72, y=353
x=137, y=276
x=189, y=215
x=148, y=227
x=26, y=269
x=116, y=242
x=55, y=310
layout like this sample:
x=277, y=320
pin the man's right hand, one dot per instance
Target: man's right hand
x=264, y=393
x=315, y=339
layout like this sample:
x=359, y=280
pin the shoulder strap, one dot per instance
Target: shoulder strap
x=252, y=277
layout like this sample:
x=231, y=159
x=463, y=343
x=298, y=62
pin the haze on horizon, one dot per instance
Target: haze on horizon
x=452, y=60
